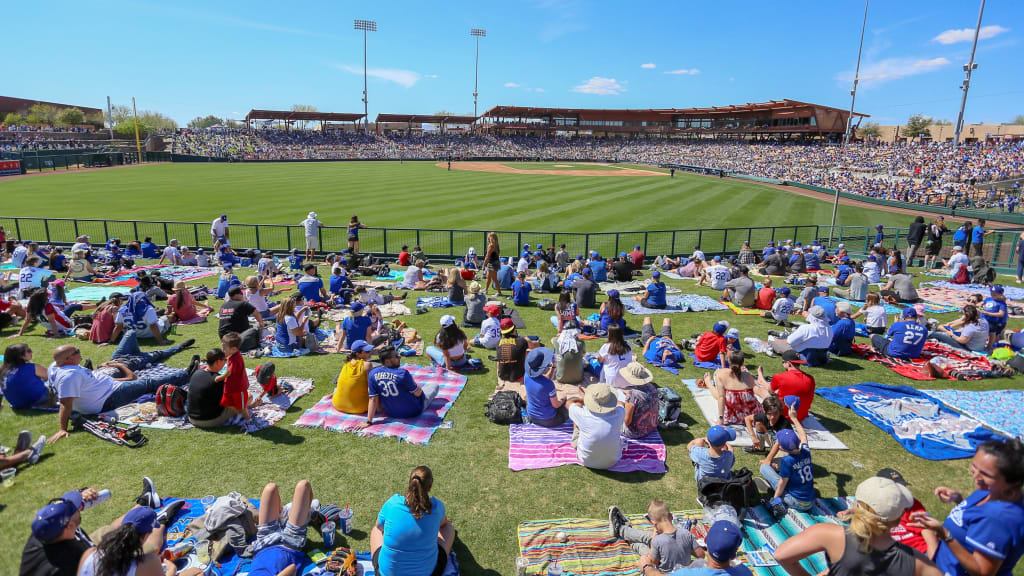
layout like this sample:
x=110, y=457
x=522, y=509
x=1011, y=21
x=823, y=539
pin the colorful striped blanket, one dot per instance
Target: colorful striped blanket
x=960, y=365
x=740, y=311
x=415, y=431
x=535, y=447
x=675, y=303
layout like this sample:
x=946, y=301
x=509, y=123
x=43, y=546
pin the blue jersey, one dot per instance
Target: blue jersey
x=521, y=293
x=906, y=339
x=600, y=270
x=295, y=262
x=656, y=293
x=844, y=272
x=843, y=333
x=801, y=477
x=150, y=250
x=539, y=392
x=978, y=235
x=395, y=389
x=991, y=305
x=505, y=276
x=811, y=260
x=995, y=528
x=311, y=288
x=338, y=283
x=355, y=328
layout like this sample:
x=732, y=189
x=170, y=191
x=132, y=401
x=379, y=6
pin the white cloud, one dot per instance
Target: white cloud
x=538, y=89
x=511, y=85
x=893, y=69
x=431, y=76
x=967, y=34
x=649, y=65
x=406, y=78
x=601, y=85
x=690, y=71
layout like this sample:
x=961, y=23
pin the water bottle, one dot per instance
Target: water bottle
x=104, y=495
x=554, y=569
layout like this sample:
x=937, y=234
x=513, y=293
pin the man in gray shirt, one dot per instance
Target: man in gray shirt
x=806, y=298
x=669, y=546
x=741, y=291
x=899, y=286
x=858, y=290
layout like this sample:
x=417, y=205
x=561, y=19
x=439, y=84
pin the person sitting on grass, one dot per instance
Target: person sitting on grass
x=793, y=382
x=394, y=392
x=39, y=309
x=792, y=483
x=413, y=279
x=857, y=284
x=654, y=294
x=490, y=329
x=294, y=333
x=741, y=291
x=662, y=550
x=257, y=289
x=23, y=382
x=765, y=425
x=900, y=287
x=567, y=313
x=358, y=326
x=511, y=353
x=545, y=279
x=733, y=390
x=765, y=296
x=660, y=350
x=810, y=341
x=711, y=346
x=585, y=289
x=182, y=306
x=639, y=397
x=717, y=275
x=782, y=307
x=138, y=314
x=712, y=456
x=456, y=286
x=543, y=406
x=844, y=331
x=506, y=275
x=475, y=302
x=905, y=339
x=350, y=394
x=450, y=345
x=597, y=418
x=521, y=290
x=412, y=535
x=973, y=335
x=205, y=393
x=311, y=286
x=295, y=260
x=226, y=281
x=172, y=254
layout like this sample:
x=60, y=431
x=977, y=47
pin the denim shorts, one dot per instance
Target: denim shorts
x=273, y=534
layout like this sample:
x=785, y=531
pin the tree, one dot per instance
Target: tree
x=869, y=130
x=70, y=117
x=149, y=121
x=943, y=122
x=303, y=108
x=13, y=119
x=43, y=113
x=201, y=122
x=917, y=126
x=1019, y=120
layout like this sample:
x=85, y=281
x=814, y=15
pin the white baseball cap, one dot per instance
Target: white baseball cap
x=887, y=498
x=312, y=214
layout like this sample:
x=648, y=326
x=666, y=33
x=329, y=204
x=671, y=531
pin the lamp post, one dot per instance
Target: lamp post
x=365, y=26
x=849, y=120
x=478, y=33
x=968, y=68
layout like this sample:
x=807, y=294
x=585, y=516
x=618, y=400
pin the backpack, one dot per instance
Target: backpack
x=171, y=400
x=961, y=276
x=546, y=304
x=738, y=492
x=505, y=408
x=670, y=408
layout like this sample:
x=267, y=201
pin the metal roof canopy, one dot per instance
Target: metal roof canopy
x=425, y=119
x=290, y=116
x=628, y=114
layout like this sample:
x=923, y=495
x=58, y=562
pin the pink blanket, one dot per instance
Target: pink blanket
x=535, y=447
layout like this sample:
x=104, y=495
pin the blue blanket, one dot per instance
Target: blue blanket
x=916, y=420
x=436, y=302
x=705, y=365
x=1001, y=410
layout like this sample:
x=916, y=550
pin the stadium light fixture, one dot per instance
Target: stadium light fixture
x=365, y=26
x=849, y=120
x=478, y=33
x=968, y=69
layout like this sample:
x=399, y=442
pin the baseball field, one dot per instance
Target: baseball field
x=485, y=500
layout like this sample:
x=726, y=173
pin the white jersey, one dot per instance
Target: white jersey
x=718, y=275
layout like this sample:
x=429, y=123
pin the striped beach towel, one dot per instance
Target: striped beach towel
x=535, y=447
x=415, y=431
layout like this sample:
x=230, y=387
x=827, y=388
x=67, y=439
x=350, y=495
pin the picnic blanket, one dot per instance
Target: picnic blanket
x=589, y=551
x=535, y=447
x=1000, y=410
x=742, y=311
x=415, y=431
x=400, y=276
x=675, y=303
x=231, y=563
x=269, y=412
x=916, y=420
x=201, y=314
x=1011, y=292
x=817, y=436
x=272, y=350
x=373, y=283
x=394, y=308
x=675, y=276
x=632, y=287
x=183, y=273
x=436, y=302
x=89, y=293
x=959, y=364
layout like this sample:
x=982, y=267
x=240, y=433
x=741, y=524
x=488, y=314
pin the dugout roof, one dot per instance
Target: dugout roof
x=425, y=119
x=290, y=116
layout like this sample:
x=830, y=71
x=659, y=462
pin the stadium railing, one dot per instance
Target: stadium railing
x=448, y=245
x=53, y=160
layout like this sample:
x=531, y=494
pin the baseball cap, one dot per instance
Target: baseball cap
x=637, y=247
x=733, y=333
x=173, y=241
x=361, y=346
x=909, y=313
x=717, y=258
x=223, y=216
x=622, y=254
x=357, y=307
x=312, y=214
x=844, y=307
x=507, y=325
x=200, y=251
x=958, y=248
x=447, y=320
x=720, y=327
x=613, y=293
x=823, y=289
x=656, y=274
x=51, y=519
x=887, y=498
x=526, y=246
x=143, y=518
x=783, y=290
x=579, y=256
x=799, y=244
x=492, y=309
x=844, y=259
x=871, y=258
x=879, y=227
x=817, y=312
x=788, y=440
x=841, y=245
x=525, y=254
x=723, y=540
x=892, y=474
x=792, y=356
x=998, y=289
x=587, y=271
x=718, y=435
x=503, y=259
x=538, y=360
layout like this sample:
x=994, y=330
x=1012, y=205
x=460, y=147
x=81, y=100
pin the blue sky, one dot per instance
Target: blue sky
x=186, y=58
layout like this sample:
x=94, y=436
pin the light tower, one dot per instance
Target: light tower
x=365, y=26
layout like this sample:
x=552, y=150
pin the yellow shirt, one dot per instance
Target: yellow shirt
x=351, y=395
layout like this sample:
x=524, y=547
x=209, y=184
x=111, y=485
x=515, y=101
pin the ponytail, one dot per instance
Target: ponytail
x=118, y=550
x=417, y=496
x=866, y=525
x=736, y=364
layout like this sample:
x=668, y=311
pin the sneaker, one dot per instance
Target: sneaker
x=37, y=449
x=193, y=365
x=188, y=343
x=24, y=441
x=149, y=497
x=776, y=334
x=616, y=520
x=752, y=450
x=88, y=363
x=166, y=516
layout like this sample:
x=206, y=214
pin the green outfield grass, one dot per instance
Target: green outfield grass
x=485, y=500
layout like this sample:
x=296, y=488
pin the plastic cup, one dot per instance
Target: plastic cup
x=345, y=521
x=7, y=476
x=208, y=501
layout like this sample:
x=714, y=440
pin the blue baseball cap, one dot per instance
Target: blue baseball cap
x=526, y=246
x=53, y=518
x=718, y=435
x=143, y=518
x=200, y=251
x=784, y=290
x=909, y=312
x=525, y=254
x=357, y=307
x=579, y=256
x=879, y=227
x=656, y=274
x=360, y=346
x=720, y=327
x=998, y=289
x=717, y=258
x=587, y=271
x=844, y=259
x=622, y=254
x=539, y=246
x=504, y=259
x=613, y=293
x=871, y=257
x=723, y=540
x=637, y=247
x=788, y=440
x=223, y=216
x=799, y=243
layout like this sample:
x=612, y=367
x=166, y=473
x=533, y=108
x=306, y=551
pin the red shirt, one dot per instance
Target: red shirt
x=904, y=533
x=236, y=386
x=795, y=383
x=709, y=346
x=638, y=259
x=404, y=258
x=765, y=298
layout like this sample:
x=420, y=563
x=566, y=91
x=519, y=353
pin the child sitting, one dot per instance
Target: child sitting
x=668, y=546
x=226, y=281
x=711, y=346
x=202, y=259
x=712, y=456
x=793, y=482
x=521, y=290
x=295, y=260
x=782, y=307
